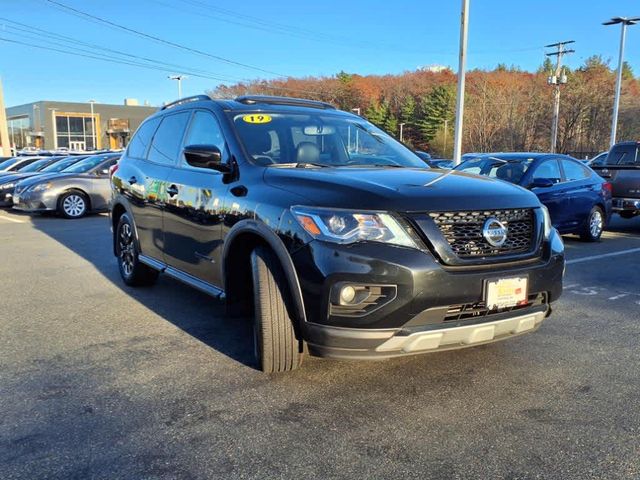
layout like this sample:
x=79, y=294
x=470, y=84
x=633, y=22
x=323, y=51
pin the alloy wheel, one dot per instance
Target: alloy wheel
x=126, y=249
x=596, y=223
x=74, y=205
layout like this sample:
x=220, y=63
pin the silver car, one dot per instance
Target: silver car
x=75, y=191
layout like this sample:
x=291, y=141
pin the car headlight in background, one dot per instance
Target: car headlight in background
x=8, y=186
x=345, y=226
x=41, y=186
x=547, y=222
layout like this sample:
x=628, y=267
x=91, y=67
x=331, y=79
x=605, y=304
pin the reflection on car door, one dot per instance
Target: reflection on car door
x=554, y=197
x=193, y=213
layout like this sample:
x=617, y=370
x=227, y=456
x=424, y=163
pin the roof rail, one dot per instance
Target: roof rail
x=273, y=100
x=194, y=98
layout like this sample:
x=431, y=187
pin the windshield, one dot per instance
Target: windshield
x=35, y=166
x=319, y=139
x=8, y=163
x=509, y=169
x=85, y=165
x=61, y=164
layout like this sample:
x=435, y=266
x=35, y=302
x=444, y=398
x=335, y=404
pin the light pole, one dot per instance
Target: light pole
x=93, y=125
x=401, y=132
x=464, y=24
x=179, y=79
x=623, y=21
x=54, y=129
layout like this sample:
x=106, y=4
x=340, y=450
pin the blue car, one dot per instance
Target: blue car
x=578, y=199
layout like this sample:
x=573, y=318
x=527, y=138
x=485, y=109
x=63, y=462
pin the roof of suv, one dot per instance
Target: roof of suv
x=253, y=102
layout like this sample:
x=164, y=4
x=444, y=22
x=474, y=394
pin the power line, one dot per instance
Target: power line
x=114, y=60
x=154, y=38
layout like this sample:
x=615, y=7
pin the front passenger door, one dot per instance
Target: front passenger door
x=553, y=197
x=193, y=216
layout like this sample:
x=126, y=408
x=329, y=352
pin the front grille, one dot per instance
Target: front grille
x=479, y=309
x=463, y=231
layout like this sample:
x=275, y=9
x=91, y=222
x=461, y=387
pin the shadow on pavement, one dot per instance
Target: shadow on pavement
x=194, y=312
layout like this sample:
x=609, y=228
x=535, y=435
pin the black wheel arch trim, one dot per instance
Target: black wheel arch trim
x=260, y=229
x=118, y=202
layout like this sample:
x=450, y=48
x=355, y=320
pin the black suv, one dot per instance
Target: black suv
x=332, y=235
x=621, y=168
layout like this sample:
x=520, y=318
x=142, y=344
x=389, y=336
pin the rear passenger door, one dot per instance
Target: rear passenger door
x=582, y=191
x=554, y=197
x=146, y=175
x=193, y=213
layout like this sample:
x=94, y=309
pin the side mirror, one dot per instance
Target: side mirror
x=541, y=183
x=206, y=156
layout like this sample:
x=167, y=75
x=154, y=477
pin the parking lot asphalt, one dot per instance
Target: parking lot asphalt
x=99, y=380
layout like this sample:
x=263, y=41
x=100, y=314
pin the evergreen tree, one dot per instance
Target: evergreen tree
x=436, y=108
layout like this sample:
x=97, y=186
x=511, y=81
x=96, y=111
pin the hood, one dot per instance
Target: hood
x=401, y=189
x=15, y=177
x=44, y=177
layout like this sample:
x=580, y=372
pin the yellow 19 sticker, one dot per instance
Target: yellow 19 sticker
x=256, y=118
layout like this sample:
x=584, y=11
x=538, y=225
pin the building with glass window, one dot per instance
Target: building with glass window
x=52, y=125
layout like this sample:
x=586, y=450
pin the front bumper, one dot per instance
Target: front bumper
x=28, y=201
x=358, y=344
x=620, y=204
x=419, y=317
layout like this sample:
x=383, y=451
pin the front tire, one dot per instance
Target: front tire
x=73, y=204
x=594, y=226
x=133, y=272
x=276, y=346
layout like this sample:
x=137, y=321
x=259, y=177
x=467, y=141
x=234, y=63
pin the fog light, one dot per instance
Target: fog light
x=347, y=295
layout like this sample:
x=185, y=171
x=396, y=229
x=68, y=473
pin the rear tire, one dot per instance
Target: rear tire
x=73, y=204
x=594, y=225
x=276, y=347
x=133, y=272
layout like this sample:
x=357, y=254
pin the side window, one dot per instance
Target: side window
x=166, y=143
x=142, y=138
x=622, y=155
x=205, y=130
x=548, y=169
x=574, y=171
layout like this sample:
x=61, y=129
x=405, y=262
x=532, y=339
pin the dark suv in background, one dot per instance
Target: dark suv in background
x=622, y=169
x=329, y=232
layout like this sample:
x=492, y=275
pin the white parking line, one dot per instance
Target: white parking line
x=604, y=255
x=3, y=217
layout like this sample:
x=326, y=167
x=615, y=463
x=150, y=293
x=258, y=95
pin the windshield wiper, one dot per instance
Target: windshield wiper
x=372, y=165
x=299, y=165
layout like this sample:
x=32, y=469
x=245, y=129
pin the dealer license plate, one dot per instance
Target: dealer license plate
x=506, y=292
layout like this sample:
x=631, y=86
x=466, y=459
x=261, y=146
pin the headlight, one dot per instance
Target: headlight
x=7, y=186
x=344, y=226
x=547, y=222
x=41, y=186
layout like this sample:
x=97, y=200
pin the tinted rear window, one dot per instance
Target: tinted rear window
x=168, y=139
x=138, y=146
x=623, y=155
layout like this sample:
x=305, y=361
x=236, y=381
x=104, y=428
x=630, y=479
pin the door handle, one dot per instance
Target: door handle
x=172, y=191
x=133, y=180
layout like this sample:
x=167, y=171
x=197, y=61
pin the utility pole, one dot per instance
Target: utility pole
x=93, y=126
x=5, y=141
x=623, y=21
x=464, y=26
x=557, y=79
x=179, y=78
x=401, y=131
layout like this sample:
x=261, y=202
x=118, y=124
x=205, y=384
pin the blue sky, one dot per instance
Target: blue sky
x=287, y=37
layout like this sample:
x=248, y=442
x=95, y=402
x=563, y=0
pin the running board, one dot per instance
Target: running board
x=183, y=277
